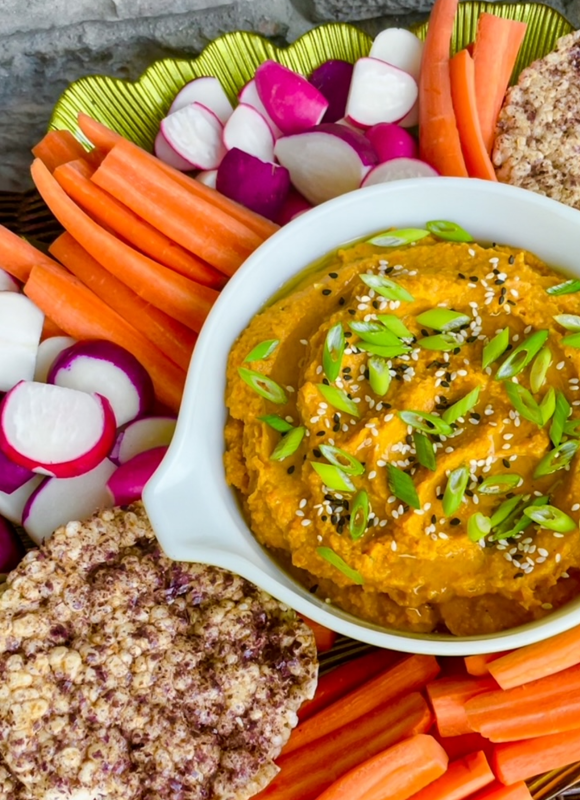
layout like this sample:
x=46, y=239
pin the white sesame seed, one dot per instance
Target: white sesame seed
x=393, y=546
x=540, y=560
x=372, y=475
x=560, y=365
x=558, y=558
x=299, y=513
x=558, y=535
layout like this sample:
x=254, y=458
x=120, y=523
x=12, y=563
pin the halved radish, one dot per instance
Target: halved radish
x=48, y=350
x=412, y=118
x=391, y=141
x=332, y=79
x=379, y=93
x=259, y=185
x=55, y=431
x=12, y=504
x=8, y=283
x=127, y=483
x=207, y=177
x=166, y=153
x=209, y=92
x=107, y=369
x=20, y=329
x=400, y=48
x=291, y=101
x=12, y=476
x=141, y=435
x=294, y=205
x=249, y=95
x=249, y=131
x=327, y=161
x=195, y=133
x=57, y=501
x=398, y=169
x=11, y=548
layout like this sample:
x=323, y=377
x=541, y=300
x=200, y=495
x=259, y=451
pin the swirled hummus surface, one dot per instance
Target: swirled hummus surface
x=415, y=568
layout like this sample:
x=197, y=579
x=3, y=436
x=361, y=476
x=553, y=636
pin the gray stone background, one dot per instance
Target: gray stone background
x=45, y=44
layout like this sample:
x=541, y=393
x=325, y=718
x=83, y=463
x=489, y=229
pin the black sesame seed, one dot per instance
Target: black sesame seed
x=509, y=495
x=321, y=433
x=398, y=377
x=347, y=378
x=471, y=339
x=389, y=270
x=352, y=312
x=498, y=282
x=475, y=415
x=455, y=521
x=495, y=271
x=333, y=274
x=317, y=453
x=367, y=374
x=341, y=301
x=501, y=300
x=290, y=470
x=336, y=428
x=409, y=439
x=336, y=417
x=346, y=369
x=440, y=496
x=461, y=276
x=446, y=384
x=506, y=463
x=387, y=405
x=511, y=260
x=480, y=479
x=325, y=382
x=474, y=278
x=519, y=575
x=329, y=497
x=324, y=518
x=509, y=347
x=447, y=376
x=313, y=589
x=424, y=332
x=511, y=302
x=326, y=292
x=503, y=291
x=348, y=334
x=433, y=519
x=334, y=519
x=469, y=493
x=376, y=304
x=456, y=350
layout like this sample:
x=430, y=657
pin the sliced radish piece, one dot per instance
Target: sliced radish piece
x=141, y=435
x=209, y=92
x=12, y=550
x=57, y=501
x=327, y=161
x=412, y=117
x=127, y=483
x=195, y=133
x=258, y=185
x=55, y=431
x=294, y=206
x=398, y=169
x=391, y=141
x=291, y=101
x=379, y=92
x=249, y=95
x=208, y=177
x=332, y=79
x=165, y=152
x=20, y=330
x=8, y=283
x=249, y=131
x=12, y=504
x=12, y=476
x=400, y=48
x=48, y=350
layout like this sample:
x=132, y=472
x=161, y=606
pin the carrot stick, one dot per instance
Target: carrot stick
x=517, y=791
x=479, y=665
x=345, y=678
x=80, y=313
x=518, y=761
x=59, y=147
x=497, y=45
x=439, y=142
x=409, y=675
x=106, y=139
x=459, y=746
x=448, y=697
x=50, y=329
x=18, y=257
x=179, y=297
x=463, y=777
x=74, y=178
x=171, y=337
x=462, y=75
x=324, y=637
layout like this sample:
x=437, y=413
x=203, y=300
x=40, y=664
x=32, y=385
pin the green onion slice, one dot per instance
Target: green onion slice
x=333, y=351
x=359, y=514
x=443, y=319
x=461, y=407
x=524, y=403
x=277, y=423
x=333, y=558
x=557, y=459
x=500, y=484
x=386, y=287
x=519, y=358
x=428, y=423
x=478, y=526
x=375, y=334
x=333, y=477
x=540, y=369
x=379, y=375
x=551, y=518
x=395, y=238
x=340, y=458
x=522, y=523
x=262, y=350
x=572, y=428
x=455, y=489
x=425, y=451
x=548, y=405
x=386, y=351
x=289, y=444
x=338, y=399
x=402, y=486
x=495, y=348
x=441, y=341
x=395, y=325
x=504, y=510
x=569, y=321
x=573, y=340
x=561, y=414
x=568, y=287
x=263, y=385
x=448, y=231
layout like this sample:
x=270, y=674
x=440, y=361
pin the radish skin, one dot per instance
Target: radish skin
x=209, y=92
x=249, y=131
x=379, y=92
x=259, y=185
x=11, y=548
x=332, y=79
x=290, y=100
x=127, y=483
x=294, y=206
x=48, y=350
x=249, y=95
x=399, y=169
x=20, y=330
x=141, y=435
x=166, y=153
x=391, y=141
x=12, y=476
x=195, y=133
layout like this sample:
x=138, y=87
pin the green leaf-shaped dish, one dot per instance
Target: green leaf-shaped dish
x=135, y=109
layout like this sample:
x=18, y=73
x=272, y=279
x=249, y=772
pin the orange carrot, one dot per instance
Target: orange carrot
x=50, y=329
x=479, y=665
x=179, y=297
x=497, y=45
x=462, y=75
x=18, y=257
x=74, y=178
x=448, y=697
x=518, y=761
x=409, y=675
x=170, y=336
x=495, y=791
x=80, y=313
x=324, y=637
x=439, y=142
x=59, y=147
x=343, y=679
x=459, y=746
x=463, y=777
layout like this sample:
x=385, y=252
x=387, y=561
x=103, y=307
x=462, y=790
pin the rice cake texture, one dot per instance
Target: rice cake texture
x=126, y=675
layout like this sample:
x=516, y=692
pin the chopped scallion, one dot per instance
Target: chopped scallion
x=568, y=287
x=396, y=238
x=375, y=334
x=478, y=526
x=333, y=351
x=395, y=325
x=425, y=451
x=440, y=341
x=386, y=351
x=448, y=231
x=495, y=348
x=276, y=422
x=523, y=402
x=289, y=444
x=338, y=399
x=557, y=459
x=551, y=518
x=386, y=287
x=561, y=414
x=428, y=423
x=500, y=484
x=504, y=510
x=333, y=477
x=442, y=319
x=359, y=514
x=402, y=486
x=340, y=458
x=263, y=350
x=548, y=405
x=454, y=490
x=519, y=358
x=461, y=407
x=263, y=385
x=333, y=558
x=569, y=321
x=540, y=369
x=572, y=340
x=379, y=375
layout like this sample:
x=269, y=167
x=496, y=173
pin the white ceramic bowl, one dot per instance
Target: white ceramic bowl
x=193, y=511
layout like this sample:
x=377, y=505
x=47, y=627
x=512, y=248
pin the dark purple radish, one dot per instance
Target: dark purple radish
x=11, y=548
x=12, y=505
x=47, y=353
x=249, y=131
x=12, y=476
x=57, y=501
x=166, y=153
x=208, y=177
x=127, y=483
x=294, y=206
x=391, y=141
x=379, y=93
x=55, y=431
x=107, y=369
x=400, y=48
x=399, y=169
x=249, y=95
x=258, y=185
x=332, y=79
x=209, y=92
x=195, y=133
x=291, y=101
x=8, y=283
x=141, y=435
x=20, y=329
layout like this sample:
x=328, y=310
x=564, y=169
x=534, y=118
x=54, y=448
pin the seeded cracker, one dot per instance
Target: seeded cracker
x=127, y=676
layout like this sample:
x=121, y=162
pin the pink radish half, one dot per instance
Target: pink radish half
x=127, y=483
x=109, y=370
x=332, y=79
x=57, y=501
x=46, y=355
x=20, y=329
x=391, y=141
x=195, y=133
x=294, y=206
x=12, y=505
x=290, y=100
x=400, y=48
x=55, y=431
x=250, y=97
x=412, y=118
x=12, y=550
x=379, y=93
x=258, y=185
x=165, y=152
x=249, y=131
x=12, y=476
x=208, y=177
x=141, y=435
x=209, y=92
x=399, y=169
x=327, y=161
x=8, y=283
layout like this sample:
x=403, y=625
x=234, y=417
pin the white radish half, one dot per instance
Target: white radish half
x=141, y=435
x=20, y=329
x=55, y=431
x=195, y=133
x=327, y=161
x=12, y=504
x=127, y=483
x=107, y=369
x=46, y=355
x=57, y=501
x=207, y=177
x=209, y=92
x=11, y=548
x=412, y=118
x=258, y=185
x=332, y=79
x=249, y=131
x=165, y=152
x=8, y=283
x=291, y=101
x=250, y=97
x=12, y=476
x=391, y=141
x=399, y=47
x=379, y=92
x=398, y=169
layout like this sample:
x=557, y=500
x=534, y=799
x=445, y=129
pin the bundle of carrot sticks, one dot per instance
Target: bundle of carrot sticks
x=386, y=726
x=145, y=252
